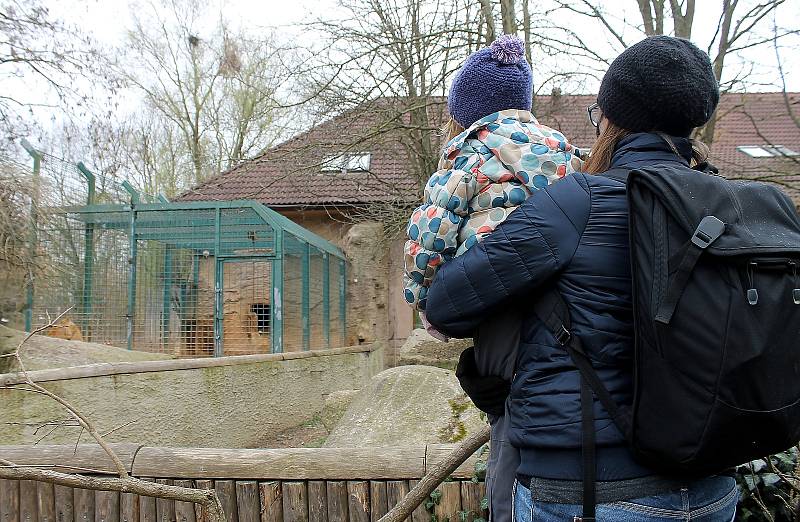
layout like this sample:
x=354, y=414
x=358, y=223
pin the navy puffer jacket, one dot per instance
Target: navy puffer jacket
x=573, y=233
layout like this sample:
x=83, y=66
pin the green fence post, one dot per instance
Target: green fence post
x=326, y=298
x=276, y=310
x=133, y=246
x=343, y=300
x=32, y=236
x=165, y=307
x=219, y=275
x=306, y=297
x=88, y=255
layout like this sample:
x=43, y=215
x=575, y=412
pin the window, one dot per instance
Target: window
x=358, y=162
x=767, y=151
x=262, y=313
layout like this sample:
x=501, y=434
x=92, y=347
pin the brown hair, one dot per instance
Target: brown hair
x=450, y=130
x=603, y=150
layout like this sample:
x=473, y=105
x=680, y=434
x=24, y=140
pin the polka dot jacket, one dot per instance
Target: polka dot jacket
x=485, y=173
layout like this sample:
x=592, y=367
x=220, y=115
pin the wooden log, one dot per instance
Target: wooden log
x=165, y=509
x=65, y=504
x=435, y=453
x=291, y=464
x=271, y=502
x=295, y=502
x=226, y=491
x=337, y=501
x=27, y=501
x=247, y=501
x=199, y=511
x=129, y=507
x=378, y=502
x=46, y=502
x=317, y=501
x=471, y=497
x=9, y=501
x=420, y=514
x=84, y=505
x=395, y=491
x=88, y=458
x=358, y=501
x=450, y=502
x=184, y=511
x=106, y=506
x=147, y=508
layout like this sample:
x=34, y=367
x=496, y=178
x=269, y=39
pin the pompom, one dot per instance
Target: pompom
x=508, y=49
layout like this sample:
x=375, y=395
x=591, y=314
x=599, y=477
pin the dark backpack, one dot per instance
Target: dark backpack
x=716, y=303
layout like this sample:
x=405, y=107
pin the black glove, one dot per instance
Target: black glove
x=487, y=393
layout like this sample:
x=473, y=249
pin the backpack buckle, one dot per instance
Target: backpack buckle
x=563, y=336
x=583, y=519
x=709, y=229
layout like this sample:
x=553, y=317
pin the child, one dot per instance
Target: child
x=496, y=155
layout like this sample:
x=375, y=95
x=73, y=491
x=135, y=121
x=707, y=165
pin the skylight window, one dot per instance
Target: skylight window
x=358, y=162
x=767, y=151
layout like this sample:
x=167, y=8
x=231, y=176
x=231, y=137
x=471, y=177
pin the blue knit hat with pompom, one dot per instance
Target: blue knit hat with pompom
x=491, y=80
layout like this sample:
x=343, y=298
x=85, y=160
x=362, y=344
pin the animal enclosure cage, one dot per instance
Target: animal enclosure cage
x=191, y=279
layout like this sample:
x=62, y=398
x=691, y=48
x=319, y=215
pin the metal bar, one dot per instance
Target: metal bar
x=276, y=310
x=165, y=310
x=219, y=274
x=32, y=237
x=326, y=299
x=306, y=297
x=343, y=301
x=88, y=257
x=133, y=246
x=135, y=198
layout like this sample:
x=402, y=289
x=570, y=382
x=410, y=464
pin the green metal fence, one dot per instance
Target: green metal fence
x=191, y=279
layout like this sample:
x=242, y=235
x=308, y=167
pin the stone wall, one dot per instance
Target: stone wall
x=228, y=402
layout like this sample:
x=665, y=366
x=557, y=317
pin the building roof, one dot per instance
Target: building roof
x=292, y=174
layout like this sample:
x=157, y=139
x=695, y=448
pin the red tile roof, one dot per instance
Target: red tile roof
x=289, y=174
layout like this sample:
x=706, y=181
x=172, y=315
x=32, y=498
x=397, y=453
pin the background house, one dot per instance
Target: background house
x=356, y=168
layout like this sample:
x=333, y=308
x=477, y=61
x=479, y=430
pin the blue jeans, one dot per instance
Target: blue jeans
x=708, y=500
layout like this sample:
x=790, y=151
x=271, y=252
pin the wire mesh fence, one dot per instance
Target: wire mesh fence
x=188, y=279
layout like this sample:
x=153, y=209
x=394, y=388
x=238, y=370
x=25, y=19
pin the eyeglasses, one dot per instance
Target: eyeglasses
x=595, y=115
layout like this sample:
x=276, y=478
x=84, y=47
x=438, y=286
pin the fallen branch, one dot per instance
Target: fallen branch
x=437, y=475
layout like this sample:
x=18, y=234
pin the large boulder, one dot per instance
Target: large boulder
x=407, y=405
x=41, y=352
x=422, y=348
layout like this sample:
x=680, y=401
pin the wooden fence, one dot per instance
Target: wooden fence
x=254, y=485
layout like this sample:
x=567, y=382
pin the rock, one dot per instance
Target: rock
x=41, y=352
x=407, y=405
x=336, y=404
x=422, y=348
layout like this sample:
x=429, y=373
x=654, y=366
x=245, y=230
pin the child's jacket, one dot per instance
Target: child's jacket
x=485, y=173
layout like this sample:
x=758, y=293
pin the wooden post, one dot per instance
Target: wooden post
x=106, y=505
x=184, y=511
x=317, y=501
x=147, y=508
x=379, y=505
x=27, y=501
x=295, y=502
x=226, y=491
x=358, y=501
x=46, y=502
x=200, y=514
x=248, y=502
x=471, y=496
x=9, y=501
x=395, y=491
x=165, y=509
x=272, y=502
x=65, y=504
x=337, y=501
x=129, y=507
x=450, y=503
x=84, y=505
x=420, y=514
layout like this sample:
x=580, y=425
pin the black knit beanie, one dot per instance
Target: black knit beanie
x=660, y=84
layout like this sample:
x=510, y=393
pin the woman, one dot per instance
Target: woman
x=574, y=234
